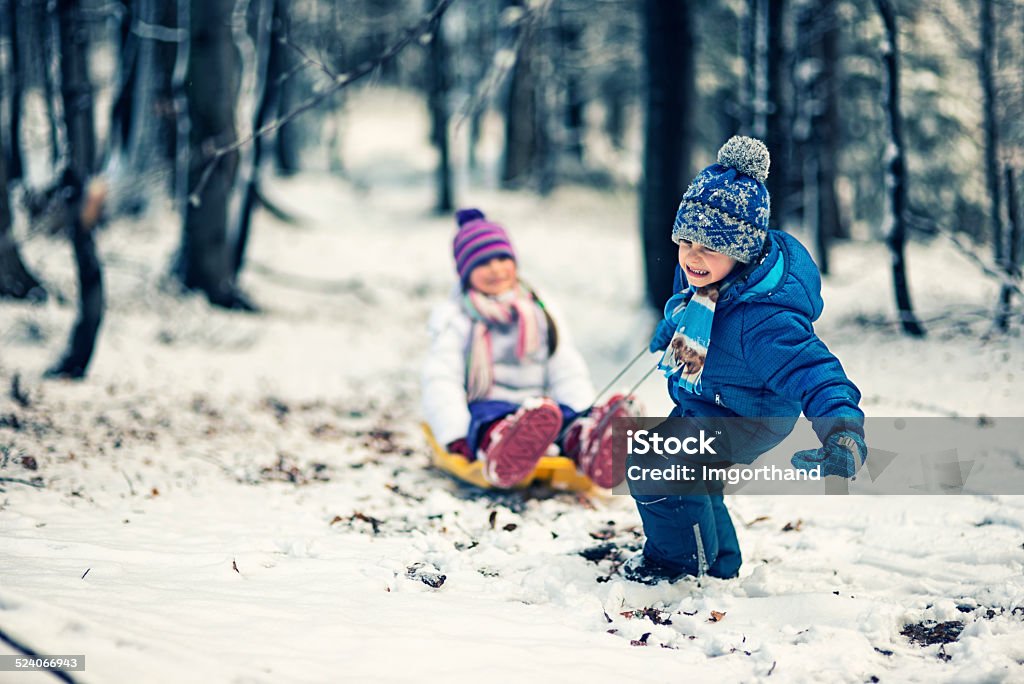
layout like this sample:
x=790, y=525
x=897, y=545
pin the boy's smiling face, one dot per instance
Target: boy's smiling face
x=703, y=266
x=495, y=276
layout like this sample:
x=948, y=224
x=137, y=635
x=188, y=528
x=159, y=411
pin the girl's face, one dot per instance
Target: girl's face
x=494, y=277
x=703, y=266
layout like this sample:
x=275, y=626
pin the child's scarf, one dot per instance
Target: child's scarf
x=692, y=313
x=517, y=306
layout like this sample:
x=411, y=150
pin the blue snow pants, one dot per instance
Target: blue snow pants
x=674, y=524
x=692, y=533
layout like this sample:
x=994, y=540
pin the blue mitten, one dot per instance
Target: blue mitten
x=842, y=454
x=662, y=336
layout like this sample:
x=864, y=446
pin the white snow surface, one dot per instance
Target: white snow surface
x=247, y=498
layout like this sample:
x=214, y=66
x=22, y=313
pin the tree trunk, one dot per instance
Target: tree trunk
x=522, y=137
x=897, y=174
x=778, y=132
x=614, y=99
x=15, y=280
x=812, y=210
x=182, y=121
x=806, y=75
x=438, y=84
x=76, y=90
x=85, y=198
x=986, y=73
x=45, y=27
x=136, y=119
x=338, y=59
x=205, y=259
x=484, y=37
x=1013, y=256
x=287, y=140
x=141, y=151
x=252, y=155
x=121, y=107
x=165, y=53
x=755, y=54
x=1016, y=228
x=832, y=225
x=476, y=128
x=549, y=122
x=570, y=33
x=815, y=148
x=16, y=74
x=671, y=90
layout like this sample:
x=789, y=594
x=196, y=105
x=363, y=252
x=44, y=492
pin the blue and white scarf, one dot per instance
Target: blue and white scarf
x=692, y=313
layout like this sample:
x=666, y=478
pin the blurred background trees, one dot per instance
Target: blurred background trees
x=203, y=99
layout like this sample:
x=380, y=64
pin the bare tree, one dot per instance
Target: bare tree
x=816, y=125
x=337, y=50
x=671, y=91
x=48, y=49
x=897, y=174
x=1012, y=263
x=179, y=97
x=15, y=280
x=570, y=31
x=778, y=131
x=134, y=154
x=755, y=57
x=524, y=145
x=765, y=52
x=204, y=260
x=286, y=142
x=215, y=153
x=267, y=25
x=121, y=108
x=828, y=127
x=473, y=65
x=439, y=77
x=986, y=73
x=15, y=84
x=85, y=198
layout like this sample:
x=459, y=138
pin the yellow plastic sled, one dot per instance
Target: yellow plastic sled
x=557, y=472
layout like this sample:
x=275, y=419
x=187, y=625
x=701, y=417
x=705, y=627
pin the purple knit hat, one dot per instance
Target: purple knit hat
x=477, y=241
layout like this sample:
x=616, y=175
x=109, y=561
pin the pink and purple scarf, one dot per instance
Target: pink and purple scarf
x=519, y=308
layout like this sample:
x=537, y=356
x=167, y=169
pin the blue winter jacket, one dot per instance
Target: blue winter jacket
x=764, y=359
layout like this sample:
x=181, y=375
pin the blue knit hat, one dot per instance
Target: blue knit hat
x=726, y=207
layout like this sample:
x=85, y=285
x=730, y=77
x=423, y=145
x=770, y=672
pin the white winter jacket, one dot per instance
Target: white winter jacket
x=562, y=376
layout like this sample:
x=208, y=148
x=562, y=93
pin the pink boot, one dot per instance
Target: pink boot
x=514, y=444
x=593, y=441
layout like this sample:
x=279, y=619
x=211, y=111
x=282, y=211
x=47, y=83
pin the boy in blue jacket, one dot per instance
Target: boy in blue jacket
x=739, y=342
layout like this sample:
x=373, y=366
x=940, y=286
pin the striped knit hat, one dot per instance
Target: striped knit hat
x=477, y=241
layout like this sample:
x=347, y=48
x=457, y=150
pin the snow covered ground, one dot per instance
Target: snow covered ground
x=246, y=498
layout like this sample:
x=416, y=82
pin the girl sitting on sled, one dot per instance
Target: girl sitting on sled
x=502, y=380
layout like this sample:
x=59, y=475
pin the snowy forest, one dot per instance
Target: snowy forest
x=223, y=227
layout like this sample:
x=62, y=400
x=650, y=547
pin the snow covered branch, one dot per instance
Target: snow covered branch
x=422, y=29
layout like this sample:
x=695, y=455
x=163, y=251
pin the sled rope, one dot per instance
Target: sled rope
x=617, y=377
x=629, y=393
